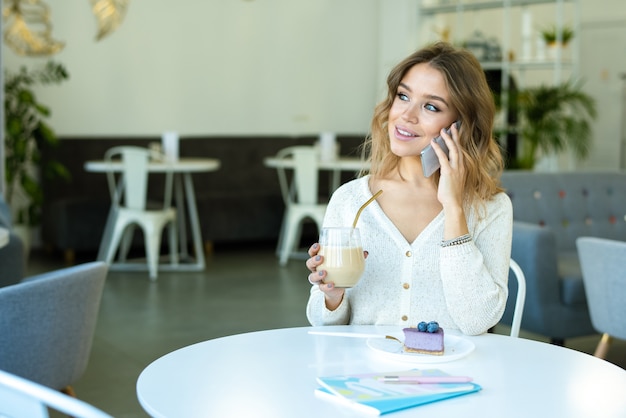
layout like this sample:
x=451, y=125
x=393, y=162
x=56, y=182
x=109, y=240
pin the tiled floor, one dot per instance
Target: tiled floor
x=242, y=289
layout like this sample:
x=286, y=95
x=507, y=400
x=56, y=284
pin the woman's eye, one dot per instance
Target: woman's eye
x=402, y=97
x=431, y=108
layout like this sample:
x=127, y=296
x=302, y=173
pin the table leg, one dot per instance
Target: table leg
x=335, y=180
x=195, y=222
x=106, y=235
x=181, y=216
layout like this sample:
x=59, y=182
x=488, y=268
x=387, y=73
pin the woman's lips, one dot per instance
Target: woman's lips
x=404, y=134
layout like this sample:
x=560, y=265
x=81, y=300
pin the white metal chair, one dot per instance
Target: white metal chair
x=22, y=398
x=129, y=208
x=603, y=266
x=300, y=196
x=520, y=298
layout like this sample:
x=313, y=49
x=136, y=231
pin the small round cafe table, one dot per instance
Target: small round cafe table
x=273, y=374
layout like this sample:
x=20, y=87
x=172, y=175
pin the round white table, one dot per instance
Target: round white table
x=339, y=163
x=181, y=165
x=336, y=165
x=273, y=374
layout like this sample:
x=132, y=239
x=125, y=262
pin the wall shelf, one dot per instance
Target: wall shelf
x=465, y=6
x=511, y=26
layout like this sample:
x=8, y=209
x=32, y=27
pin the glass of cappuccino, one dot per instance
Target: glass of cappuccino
x=343, y=255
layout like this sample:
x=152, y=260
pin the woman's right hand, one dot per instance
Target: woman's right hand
x=332, y=295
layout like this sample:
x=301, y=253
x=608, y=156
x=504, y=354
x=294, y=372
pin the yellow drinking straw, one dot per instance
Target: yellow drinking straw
x=356, y=218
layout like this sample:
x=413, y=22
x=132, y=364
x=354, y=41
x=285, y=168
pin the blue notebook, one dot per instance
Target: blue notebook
x=369, y=393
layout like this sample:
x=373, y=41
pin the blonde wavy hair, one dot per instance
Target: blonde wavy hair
x=473, y=101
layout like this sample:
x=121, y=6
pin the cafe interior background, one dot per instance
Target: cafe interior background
x=264, y=68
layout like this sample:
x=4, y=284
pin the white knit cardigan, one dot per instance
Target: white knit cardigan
x=463, y=287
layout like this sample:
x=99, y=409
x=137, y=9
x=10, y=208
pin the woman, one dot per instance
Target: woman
x=437, y=247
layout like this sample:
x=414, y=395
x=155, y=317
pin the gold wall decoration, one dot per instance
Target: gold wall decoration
x=28, y=30
x=109, y=14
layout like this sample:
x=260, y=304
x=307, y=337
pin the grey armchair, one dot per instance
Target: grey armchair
x=47, y=323
x=550, y=211
x=602, y=262
x=548, y=310
x=12, y=254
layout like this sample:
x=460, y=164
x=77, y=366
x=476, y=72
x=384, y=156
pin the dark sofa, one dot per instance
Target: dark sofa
x=239, y=203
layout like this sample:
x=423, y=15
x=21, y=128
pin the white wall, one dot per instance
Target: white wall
x=603, y=62
x=205, y=67
x=215, y=67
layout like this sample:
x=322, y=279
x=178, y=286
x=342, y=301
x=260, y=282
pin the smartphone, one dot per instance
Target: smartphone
x=430, y=161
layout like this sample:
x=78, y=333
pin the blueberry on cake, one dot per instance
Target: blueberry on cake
x=427, y=338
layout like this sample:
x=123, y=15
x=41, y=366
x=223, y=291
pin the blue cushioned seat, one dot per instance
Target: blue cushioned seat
x=550, y=211
x=47, y=324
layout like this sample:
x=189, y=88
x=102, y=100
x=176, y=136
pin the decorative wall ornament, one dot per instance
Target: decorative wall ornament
x=110, y=14
x=28, y=28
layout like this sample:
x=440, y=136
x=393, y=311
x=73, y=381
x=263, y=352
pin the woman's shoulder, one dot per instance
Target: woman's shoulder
x=501, y=199
x=351, y=193
x=358, y=186
x=500, y=203
x=345, y=201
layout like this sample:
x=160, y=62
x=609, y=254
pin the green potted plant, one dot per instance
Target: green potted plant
x=553, y=119
x=551, y=35
x=26, y=131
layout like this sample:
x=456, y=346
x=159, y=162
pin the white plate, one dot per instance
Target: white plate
x=454, y=348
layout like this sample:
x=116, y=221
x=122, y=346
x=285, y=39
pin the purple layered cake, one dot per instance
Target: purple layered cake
x=427, y=338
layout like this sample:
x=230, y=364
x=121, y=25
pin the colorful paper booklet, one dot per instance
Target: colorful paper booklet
x=381, y=393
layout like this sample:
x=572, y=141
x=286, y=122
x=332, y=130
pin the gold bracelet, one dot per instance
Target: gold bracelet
x=463, y=239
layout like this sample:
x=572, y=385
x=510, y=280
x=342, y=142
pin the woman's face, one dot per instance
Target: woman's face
x=419, y=111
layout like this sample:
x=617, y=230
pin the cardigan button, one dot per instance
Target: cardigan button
x=409, y=254
x=406, y=285
x=405, y=318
